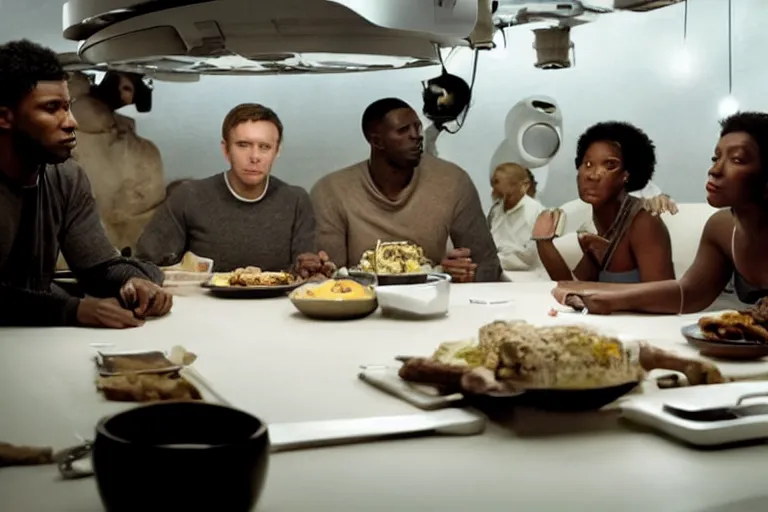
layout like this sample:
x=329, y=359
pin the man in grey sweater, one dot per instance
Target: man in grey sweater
x=46, y=205
x=242, y=217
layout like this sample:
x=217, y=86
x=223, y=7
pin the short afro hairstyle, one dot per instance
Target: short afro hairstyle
x=638, y=153
x=755, y=124
x=22, y=65
x=378, y=110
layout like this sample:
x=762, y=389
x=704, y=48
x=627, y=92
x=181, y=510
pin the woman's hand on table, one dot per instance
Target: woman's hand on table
x=458, y=264
x=309, y=265
x=594, y=301
x=145, y=298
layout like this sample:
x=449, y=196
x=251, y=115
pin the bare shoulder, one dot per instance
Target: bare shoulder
x=646, y=226
x=719, y=229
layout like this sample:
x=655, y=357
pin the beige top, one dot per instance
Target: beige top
x=439, y=203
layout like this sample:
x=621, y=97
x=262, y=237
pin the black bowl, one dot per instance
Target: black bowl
x=574, y=400
x=180, y=456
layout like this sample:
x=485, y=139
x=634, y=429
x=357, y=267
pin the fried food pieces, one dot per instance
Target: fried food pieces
x=147, y=387
x=394, y=258
x=144, y=377
x=750, y=324
x=254, y=276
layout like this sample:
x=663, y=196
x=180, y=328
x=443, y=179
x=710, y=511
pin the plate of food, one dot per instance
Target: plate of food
x=566, y=368
x=396, y=263
x=252, y=283
x=739, y=335
x=148, y=375
x=335, y=299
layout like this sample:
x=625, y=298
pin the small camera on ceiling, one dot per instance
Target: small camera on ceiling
x=553, y=47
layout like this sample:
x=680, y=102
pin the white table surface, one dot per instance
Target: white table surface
x=266, y=359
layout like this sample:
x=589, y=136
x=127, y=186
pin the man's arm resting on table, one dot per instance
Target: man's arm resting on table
x=331, y=224
x=470, y=230
x=87, y=249
x=164, y=239
x=27, y=308
x=106, y=279
x=303, y=239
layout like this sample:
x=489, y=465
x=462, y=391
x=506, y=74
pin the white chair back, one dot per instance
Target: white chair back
x=685, y=230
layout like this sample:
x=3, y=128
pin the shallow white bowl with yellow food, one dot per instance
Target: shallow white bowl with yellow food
x=335, y=299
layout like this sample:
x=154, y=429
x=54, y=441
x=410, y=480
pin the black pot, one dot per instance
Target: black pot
x=180, y=456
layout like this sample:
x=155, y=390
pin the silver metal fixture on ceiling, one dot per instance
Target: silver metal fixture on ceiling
x=193, y=37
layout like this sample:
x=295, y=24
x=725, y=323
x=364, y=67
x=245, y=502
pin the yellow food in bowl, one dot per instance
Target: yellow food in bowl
x=342, y=289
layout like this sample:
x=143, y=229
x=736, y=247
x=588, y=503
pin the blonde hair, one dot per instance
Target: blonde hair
x=510, y=169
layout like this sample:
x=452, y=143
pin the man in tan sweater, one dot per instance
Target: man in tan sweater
x=402, y=194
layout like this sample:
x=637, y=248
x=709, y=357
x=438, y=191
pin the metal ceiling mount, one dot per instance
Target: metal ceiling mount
x=260, y=37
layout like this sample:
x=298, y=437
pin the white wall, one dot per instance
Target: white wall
x=625, y=70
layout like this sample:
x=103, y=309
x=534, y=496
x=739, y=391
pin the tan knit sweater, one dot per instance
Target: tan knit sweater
x=440, y=202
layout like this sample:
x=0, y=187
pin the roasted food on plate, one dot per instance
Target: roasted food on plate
x=514, y=356
x=127, y=379
x=333, y=289
x=253, y=276
x=395, y=258
x=750, y=324
x=147, y=387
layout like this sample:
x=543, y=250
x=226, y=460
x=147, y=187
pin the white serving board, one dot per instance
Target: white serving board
x=648, y=410
x=313, y=434
x=386, y=378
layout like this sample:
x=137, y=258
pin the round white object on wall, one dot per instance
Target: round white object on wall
x=532, y=136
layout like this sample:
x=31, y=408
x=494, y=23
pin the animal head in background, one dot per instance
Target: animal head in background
x=118, y=89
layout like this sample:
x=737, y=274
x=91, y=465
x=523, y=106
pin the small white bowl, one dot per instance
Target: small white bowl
x=427, y=300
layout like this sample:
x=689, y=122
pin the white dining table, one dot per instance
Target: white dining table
x=266, y=359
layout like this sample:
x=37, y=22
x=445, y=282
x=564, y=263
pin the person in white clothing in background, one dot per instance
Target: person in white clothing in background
x=512, y=217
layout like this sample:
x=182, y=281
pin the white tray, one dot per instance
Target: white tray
x=648, y=410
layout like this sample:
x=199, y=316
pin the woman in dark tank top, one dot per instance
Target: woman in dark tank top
x=734, y=241
x=631, y=246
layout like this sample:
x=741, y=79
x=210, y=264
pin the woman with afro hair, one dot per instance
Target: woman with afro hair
x=733, y=243
x=631, y=245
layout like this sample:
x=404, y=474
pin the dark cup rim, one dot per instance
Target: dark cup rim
x=102, y=430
